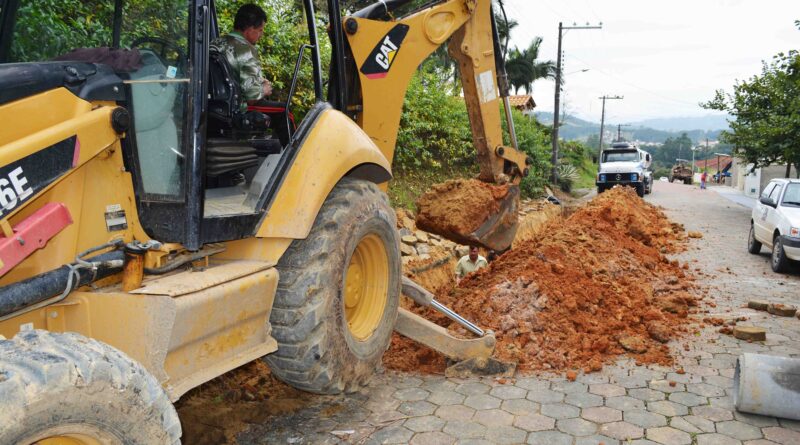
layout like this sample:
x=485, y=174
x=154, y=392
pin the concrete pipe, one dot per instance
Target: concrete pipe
x=767, y=385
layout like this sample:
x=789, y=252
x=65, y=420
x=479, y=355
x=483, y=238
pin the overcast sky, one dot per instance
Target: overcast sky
x=663, y=57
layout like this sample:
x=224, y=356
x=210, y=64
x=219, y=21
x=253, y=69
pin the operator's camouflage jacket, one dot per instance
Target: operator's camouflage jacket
x=243, y=58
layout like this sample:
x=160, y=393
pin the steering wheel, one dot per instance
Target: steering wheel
x=165, y=44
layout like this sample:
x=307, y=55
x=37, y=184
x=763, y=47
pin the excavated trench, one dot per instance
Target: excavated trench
x=581, y=292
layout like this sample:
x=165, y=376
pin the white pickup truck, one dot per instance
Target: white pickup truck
x=625, y=164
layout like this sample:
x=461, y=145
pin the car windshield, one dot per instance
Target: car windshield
x=620, y=156
x=792, y=195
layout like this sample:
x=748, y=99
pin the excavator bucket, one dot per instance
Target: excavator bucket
x=471, y=212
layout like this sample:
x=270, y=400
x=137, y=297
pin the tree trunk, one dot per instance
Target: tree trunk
x=788, y=170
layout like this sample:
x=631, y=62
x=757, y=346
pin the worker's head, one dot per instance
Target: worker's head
x=473, y=253
x=249, y=21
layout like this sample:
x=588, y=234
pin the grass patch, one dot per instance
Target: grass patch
x=407, y=186
x=588, y=174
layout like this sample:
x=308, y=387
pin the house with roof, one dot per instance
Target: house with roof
x=523, y=103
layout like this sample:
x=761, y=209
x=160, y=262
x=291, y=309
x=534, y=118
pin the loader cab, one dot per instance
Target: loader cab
x=203, y=170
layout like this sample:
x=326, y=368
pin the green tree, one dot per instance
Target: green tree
x=765, y=128
x=524, y=68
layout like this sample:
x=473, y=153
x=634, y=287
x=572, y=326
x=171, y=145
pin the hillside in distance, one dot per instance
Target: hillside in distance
x=574, y=128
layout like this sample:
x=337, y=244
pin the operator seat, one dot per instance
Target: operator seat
x=236, y=139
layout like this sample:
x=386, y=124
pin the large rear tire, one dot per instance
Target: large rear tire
x=338, y=293
x=66, y=388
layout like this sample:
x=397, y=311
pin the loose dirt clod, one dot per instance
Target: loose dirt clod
x=759, y=305
x=457, y=208
x=590, y=288
x=783, y=310
x=750, y=333
x=695, y=235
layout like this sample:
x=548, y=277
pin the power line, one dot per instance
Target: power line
x=634, y=85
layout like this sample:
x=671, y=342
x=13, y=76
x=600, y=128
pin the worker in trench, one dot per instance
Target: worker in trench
x=469, y=263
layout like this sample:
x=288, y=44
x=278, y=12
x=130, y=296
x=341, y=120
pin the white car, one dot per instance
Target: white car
x=775, y=222
x=663, y=179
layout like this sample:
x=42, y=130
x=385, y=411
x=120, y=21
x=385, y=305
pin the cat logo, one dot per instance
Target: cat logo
x=385, y=52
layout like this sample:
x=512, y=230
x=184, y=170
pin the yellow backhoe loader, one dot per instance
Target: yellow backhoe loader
x=154, y=235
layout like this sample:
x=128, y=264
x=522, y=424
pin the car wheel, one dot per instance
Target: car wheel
x=600, y=190
x=779, y=261
x=753, y=245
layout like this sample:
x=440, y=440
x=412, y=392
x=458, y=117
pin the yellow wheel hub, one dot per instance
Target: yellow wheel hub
x=366, y=287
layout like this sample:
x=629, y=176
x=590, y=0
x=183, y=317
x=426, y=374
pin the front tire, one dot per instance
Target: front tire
x=753, y=245
x=66, y=388
x=779, y=262
x=640, y=190
x=338, y=293
x=687, y=181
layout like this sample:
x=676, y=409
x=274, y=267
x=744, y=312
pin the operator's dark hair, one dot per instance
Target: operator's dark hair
x=249, y=15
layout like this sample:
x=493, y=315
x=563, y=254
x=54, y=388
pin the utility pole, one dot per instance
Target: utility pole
x=556, y=102
x=603, y=121
x=619, y=130
x=705, y=165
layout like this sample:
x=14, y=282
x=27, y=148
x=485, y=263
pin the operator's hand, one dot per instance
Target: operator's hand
x=267, y=86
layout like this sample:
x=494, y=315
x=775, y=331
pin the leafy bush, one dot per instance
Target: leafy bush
x=434, y=127
x=534, y=139
x=567, y=176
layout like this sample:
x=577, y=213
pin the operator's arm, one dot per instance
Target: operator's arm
x=251, y=78
x=460, y=272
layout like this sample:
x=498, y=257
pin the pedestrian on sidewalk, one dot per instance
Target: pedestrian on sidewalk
x=703, y=177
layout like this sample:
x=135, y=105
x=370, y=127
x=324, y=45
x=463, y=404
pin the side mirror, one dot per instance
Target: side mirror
x=767, y=201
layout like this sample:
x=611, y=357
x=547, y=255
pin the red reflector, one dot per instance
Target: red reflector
x=32, y=234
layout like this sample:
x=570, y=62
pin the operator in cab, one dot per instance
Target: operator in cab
x=239, y=50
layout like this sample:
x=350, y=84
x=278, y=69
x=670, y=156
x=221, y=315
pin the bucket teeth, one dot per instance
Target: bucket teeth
x=480, y=367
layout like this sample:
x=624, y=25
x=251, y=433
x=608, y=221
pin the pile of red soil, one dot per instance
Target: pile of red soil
x=456, y=208
x=592, y=287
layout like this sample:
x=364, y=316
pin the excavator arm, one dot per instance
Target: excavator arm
x=386, y=54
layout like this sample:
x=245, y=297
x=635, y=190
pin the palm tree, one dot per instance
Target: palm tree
x=523, y=67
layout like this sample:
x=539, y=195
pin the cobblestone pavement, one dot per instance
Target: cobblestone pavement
x=623, y=404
